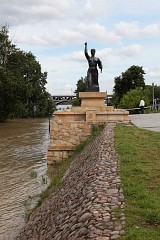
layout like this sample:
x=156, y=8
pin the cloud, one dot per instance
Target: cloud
x=151, y=73
x=104, y=53
x=98, y=32
x=76, y=56
x=154, y=74
x=94, y=8
x=17, y=12
x=42, y=34
x=68, y=86
x=79, y=56
x=130, y=51
x=143, y=8
x=69, y=36
x=151, y=30
x=133, y=30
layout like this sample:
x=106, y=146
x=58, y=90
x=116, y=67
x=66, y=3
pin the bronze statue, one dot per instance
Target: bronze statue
x=92, y=73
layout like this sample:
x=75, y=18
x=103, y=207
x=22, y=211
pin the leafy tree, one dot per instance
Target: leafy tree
x=22, y=83
x=132, y=98
x=8, y=88
x=81, y=87
x=149, y=89
x=157, y=91
x=6, y=47
x=130, y=79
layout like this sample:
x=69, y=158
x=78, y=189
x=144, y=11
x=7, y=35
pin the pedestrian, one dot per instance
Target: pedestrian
x=157, y=104
x=141, y=105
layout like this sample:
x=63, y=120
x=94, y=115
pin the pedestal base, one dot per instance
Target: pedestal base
x=92, y=99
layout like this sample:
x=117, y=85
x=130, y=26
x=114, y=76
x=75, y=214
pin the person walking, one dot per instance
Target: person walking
x=141, y=105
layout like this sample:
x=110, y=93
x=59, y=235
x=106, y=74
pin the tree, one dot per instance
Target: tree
x=7, y=89
x=22, y=83
x=132, y=98
x=81, y=87
x=6, y=47
x=130, y=79
x=149, y=89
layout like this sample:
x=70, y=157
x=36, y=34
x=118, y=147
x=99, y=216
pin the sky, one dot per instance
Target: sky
x=123, y=32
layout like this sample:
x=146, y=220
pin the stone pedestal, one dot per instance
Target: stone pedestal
x=93, y=99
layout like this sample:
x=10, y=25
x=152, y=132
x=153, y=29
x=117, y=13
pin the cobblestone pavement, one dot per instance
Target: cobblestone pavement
x=148, y=121
x=90, y=202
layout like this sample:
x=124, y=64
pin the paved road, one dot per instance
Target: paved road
x=148, y=121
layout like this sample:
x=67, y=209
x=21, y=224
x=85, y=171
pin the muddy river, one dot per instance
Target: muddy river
x=23, y=171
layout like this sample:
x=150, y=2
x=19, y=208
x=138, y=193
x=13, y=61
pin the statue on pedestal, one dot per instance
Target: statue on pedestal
x=92, y=73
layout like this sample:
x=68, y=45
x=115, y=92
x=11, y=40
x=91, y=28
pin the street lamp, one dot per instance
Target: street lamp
x=49, y=112
x=153, y=94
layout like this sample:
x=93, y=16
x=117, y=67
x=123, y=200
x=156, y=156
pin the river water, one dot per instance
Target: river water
x=23, y=171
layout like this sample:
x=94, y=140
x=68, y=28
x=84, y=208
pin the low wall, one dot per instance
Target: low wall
x=65, y=136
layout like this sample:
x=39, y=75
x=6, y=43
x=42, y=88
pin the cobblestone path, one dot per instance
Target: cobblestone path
x=90, y=202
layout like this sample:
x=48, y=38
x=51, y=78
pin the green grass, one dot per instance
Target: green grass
x=139, y=154
x=33, y=174
x=152, y=111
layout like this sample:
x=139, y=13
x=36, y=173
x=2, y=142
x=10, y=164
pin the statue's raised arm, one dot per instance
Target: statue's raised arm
x=86, y=51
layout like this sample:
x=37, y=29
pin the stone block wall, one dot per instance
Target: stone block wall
x=64, y=137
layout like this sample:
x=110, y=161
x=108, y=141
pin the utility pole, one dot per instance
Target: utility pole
x=153, y=93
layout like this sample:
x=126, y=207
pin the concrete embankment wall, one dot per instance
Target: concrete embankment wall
x=89, y=204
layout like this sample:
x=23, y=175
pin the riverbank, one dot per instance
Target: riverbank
x=89, y=203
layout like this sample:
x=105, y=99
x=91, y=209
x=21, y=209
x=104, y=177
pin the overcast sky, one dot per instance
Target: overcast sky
x=123, y=32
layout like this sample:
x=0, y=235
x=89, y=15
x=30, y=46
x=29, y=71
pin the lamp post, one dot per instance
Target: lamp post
x=49, y=113
x=49, y=123
x=153, y=94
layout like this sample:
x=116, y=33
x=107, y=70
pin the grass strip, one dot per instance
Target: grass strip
x=139, y=155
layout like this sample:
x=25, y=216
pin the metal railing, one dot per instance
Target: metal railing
x=151, y=107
